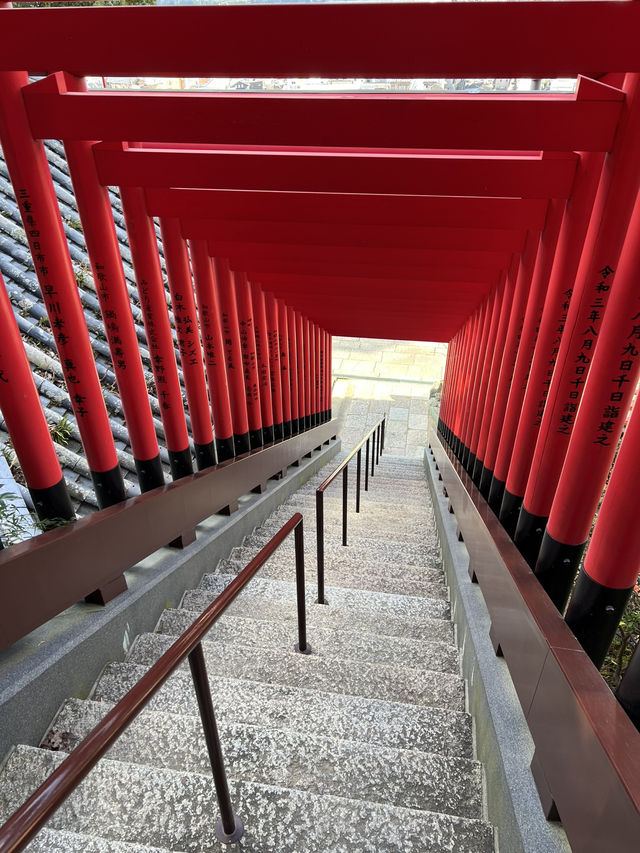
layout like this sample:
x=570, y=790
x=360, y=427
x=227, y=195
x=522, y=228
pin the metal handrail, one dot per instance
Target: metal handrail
x=376, y=436
x=34, y=813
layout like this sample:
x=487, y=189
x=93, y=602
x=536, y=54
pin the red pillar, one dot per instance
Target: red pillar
x=26, y=422
x=233, y=354
x=318, y=362
x=609, y=390
x=483, y=379
x=510, y=504
x=283, y=340
x=246, y=322
x=474, y=388
x=446, y=388
x=453, y=393
x=302, y=425
x=612, y=563
x=514, y=330
x=94, y=208
x=327, y=376
x=29, y=172
x=596, y=273
x=466, y=379
x=482, y=474
x=554, y=317
x=153, y=302
x=186, y=325
x=292, y=332
x=274, y=364
x=306, y=370
x=453, y=353
x=312, y=373
x=213, y=346
x=262, y=354
x=330, y=376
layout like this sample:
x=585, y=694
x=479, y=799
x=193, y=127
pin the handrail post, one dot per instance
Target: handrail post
x=320, y=545
x=378, y=444
x=384, y=421
x=229, y=828
x=358, y=475
x=301, y=646
x=373, y=452
x=344, y=504
x=366, y=468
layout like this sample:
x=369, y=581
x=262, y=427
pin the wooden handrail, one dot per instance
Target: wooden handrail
x=376, y=435
x=34, y=813
x=355, y=450
x=53, y=571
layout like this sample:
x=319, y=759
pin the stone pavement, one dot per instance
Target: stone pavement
x=371, y=377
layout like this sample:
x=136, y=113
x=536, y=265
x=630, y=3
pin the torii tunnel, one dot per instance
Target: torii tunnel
x=505, y=224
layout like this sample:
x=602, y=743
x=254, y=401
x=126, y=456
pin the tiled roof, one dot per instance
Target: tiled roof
x=17, y=270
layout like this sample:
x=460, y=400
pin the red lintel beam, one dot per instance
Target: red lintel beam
x=416, y=330
x=410, y=210
x=415, y=174
x=524, y=121
x=314, y=284
x=285, y=269
x=387, y=300
x=377, y=236
x=351, y=308
x=259, y=253
x=373, y=40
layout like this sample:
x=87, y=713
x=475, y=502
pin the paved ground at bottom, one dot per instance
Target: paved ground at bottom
x=371, y=377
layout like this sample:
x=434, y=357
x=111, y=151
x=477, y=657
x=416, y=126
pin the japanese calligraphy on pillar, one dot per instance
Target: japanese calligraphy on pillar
x=157, y=360
x=56, y=311
x=553, y=357
x=622, y=387
x=585, y=353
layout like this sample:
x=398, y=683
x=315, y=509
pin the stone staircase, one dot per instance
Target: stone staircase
x=363, y=745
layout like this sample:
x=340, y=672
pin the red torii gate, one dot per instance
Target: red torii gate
x=505, y=225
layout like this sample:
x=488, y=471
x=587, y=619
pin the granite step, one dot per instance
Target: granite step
x=308, y=711
x=274, y=589
x=393, y=579
x=416, y=520
x=385, y=489
x=318, y=616
x=362, y=550
x=334, y=675
x=325, y=642
x=59, y=841
x=397, y=528
x=177, y=810
x=309, y=762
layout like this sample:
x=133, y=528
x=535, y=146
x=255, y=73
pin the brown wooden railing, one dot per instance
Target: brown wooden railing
x=376, y=437
x=587, y=751
x=34, y=813
x=47, y=574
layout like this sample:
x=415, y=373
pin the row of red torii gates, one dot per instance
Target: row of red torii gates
x=507, y=225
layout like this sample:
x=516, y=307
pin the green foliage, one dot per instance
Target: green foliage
x=13, y=525
x=626, y=639
x=62, y=431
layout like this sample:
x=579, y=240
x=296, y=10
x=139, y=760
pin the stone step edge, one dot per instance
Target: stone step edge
x=311, y=590
x=284, y=653
x=45, y=837
x=338, y=631
x=391, y=751
x=143, y=669
x=121, y=767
